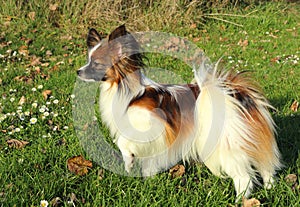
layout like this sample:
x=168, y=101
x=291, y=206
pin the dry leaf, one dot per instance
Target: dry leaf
x=250, y=202
x=22, y=100
x=100, y=174
x=177, y=171
x=23, y=50
x=193, y=26
x=35, y=61
x=79, y=165
x=294, y=106
x=14, y=143
x=53, y=7
x=291, y=178
x=56, y=202
x=31, y=15
x=275, y=59
x=243, y=43
x=48, y=53
x=46, y=94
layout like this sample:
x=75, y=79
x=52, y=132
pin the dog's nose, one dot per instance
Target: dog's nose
x=79, y=72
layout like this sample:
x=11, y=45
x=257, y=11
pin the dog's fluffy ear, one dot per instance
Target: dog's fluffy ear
x=93, y=38
x=118, y=32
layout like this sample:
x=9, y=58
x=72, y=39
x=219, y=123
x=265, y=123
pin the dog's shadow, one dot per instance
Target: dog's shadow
x=288, y=138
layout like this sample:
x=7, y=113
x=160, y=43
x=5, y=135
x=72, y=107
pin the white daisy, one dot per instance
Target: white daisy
x=44, y=203
x=33, y=120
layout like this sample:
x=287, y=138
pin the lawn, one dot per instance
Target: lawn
x=42, y=44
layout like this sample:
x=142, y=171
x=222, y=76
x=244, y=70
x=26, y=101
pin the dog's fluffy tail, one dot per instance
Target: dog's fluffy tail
x=235, y=129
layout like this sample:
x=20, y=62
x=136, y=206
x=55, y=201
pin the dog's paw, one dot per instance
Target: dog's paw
x=128, y=161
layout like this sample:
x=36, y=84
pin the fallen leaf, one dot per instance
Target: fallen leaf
x=56, y=202
x=22, y=100
x=53, y=7
x=100, y=174
x=79, y=165
x=177, y=171
x=48, y=53
x=31, y=15
x=243, y=43
x=193, y=26
x=46, y=94
x=250, y=202
x=291, y=178
x=24, y=78
x=72, y=197
x=35, y=61
x=294, y=106
x=275, y=59
x=66, y=37
x=23, y=50
x=18, y=144
x=45, y=64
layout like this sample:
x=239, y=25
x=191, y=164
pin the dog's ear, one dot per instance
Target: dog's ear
x=118, y=32
x=93, y=38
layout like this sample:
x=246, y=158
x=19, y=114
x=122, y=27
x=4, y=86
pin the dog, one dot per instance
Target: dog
x=161, y=123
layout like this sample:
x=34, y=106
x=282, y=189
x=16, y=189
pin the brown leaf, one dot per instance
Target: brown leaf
x=291, y=178
x=35, y=61
x=56, y=202
x=250, y=202
x=101, y=174
x=22, y=100
x=243, y=43
x=177, y=171
x=48, y=53
x=46, y=94
x=193, y=26
x=79, y=165
x=294, y=106
x=24, y=78
x=53, y=7
x=31, y=15
x=18, y=144
x=23, y=50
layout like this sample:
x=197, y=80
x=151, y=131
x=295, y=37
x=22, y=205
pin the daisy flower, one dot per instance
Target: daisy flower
x=40, y=87
x=34, y=105
x=55, y=101
x=44, y=203
x=42, y=110
x=33, y=120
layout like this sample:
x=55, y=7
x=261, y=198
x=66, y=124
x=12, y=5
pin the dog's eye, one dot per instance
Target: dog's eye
x=98, y=64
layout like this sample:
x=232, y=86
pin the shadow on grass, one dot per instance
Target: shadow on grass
x=288, y=138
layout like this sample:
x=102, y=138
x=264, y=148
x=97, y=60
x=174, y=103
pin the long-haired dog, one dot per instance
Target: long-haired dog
x=221, y=120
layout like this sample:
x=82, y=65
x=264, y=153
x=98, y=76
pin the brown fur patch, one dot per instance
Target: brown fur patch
x=248, y=93
x=166, y=108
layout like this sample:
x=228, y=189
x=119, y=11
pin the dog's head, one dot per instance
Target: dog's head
x=111, y=59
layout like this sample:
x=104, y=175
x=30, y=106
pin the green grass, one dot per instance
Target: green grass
x=39, y=171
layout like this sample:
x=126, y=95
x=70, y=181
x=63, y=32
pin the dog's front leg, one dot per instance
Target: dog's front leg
x=127, y=154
